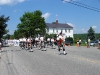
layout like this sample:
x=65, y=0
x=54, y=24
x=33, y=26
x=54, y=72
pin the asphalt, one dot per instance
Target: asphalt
x=78, y=61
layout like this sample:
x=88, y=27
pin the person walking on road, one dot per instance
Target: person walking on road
x=61, y=44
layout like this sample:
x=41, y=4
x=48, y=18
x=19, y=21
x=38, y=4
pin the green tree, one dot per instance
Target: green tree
x=12, y=37
x=7, y=36
x=17, y=34
x=32, y=23
x=3, y=25
x=91, y=34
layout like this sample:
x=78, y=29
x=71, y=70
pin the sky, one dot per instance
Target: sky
x=81, y=17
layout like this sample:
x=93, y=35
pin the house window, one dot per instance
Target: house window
x=65, y=30
x=61, y=30
x=47, y=30
x=69, y=30
x=53, y=30
x=57, y=31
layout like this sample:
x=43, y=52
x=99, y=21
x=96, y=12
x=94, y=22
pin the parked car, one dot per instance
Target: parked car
x=94, y=43
x=67, y=42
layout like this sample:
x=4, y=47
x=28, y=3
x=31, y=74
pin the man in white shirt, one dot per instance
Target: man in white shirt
x=52, y=43
x=61, y=44
x=36, y=41
x=48, y=41
x=89, y=42
x=41, y=42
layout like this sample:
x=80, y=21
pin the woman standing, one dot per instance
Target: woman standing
x=0, y=46
x=99, y=43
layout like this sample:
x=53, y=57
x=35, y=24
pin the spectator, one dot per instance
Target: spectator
x=99, y=43
x=89, y=42
x=0, y=46
x=79, y=42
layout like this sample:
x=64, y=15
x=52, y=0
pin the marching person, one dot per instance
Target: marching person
x=42, y=44
x=48, y=41
x=36, y=41
x=30, y=44
x=52, y=42
x=61, y=43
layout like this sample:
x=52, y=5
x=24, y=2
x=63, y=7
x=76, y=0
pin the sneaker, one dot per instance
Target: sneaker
x=45, y=49
x=65, y=53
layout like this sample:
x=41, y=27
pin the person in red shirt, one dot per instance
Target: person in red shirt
x=61, y=44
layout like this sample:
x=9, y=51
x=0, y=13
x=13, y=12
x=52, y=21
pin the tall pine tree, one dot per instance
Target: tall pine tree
x=91, y=34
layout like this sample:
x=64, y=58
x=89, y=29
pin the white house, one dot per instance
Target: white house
x=57, y=28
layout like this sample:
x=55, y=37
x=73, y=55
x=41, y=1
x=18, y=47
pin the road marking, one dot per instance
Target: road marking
x=86, y=59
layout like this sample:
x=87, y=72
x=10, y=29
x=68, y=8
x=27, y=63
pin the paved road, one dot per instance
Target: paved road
x=78, y=61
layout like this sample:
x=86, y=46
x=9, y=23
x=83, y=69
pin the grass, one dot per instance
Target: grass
x=83, y=44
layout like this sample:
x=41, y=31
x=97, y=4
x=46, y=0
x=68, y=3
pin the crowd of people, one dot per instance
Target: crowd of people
x=88, y=43
x=42, y=43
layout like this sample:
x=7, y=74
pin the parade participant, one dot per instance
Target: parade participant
x=61, y=43
x=48, y=41
x=42, y=44
x=30, y=44
x=36, y=41
x=52, y=42
x=21, y=44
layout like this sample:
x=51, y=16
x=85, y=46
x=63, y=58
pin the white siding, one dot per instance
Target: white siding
x=66, y=33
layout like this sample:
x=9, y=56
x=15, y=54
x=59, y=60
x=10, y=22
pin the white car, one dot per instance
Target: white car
x=94, y=43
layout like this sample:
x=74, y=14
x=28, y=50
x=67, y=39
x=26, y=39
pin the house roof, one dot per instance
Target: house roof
x=58, y=25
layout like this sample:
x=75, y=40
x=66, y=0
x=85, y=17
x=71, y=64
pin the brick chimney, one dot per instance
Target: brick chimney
x=56, y=22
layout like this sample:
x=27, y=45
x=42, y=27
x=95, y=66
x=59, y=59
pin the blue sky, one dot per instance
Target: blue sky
x=78, y=17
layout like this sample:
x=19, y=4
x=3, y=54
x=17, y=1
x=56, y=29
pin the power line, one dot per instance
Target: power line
x=82, y=5
x=86, y=5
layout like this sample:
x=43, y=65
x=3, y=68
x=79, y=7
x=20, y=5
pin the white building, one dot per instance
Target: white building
x=57, y=28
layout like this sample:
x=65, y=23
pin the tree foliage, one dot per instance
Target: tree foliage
x=3, y=25
x=32, y=23
x=91, y=34
x=17, y=34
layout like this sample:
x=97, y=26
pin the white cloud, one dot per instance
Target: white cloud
x=71, y=24
x=80, y=30
x=15, y=11
x=10, y=2
x=83, y=30
x=46, y=15
x=56, y=15
x=94, y=27
x=77, y=30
